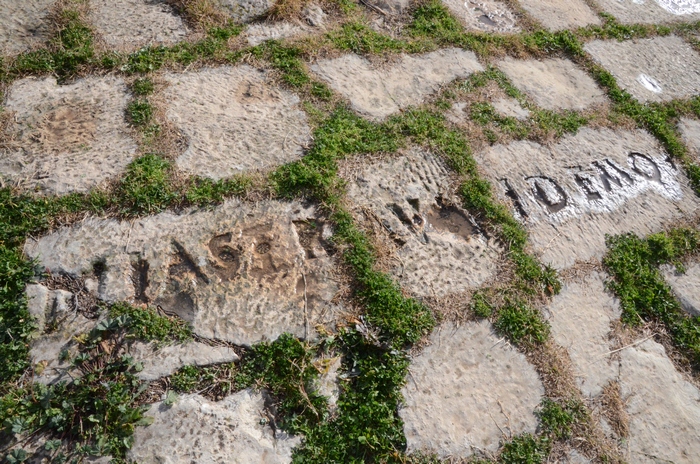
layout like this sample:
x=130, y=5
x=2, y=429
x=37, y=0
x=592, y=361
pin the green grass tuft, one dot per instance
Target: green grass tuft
x=522, y=325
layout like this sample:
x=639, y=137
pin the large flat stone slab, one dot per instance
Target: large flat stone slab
x=561, y=14
x=379, y=92
x=136, y=23
x=485, y=15
x=159, y=361
x=440, y=250
x=652, y=11
x=685, y=286
x=657, y=69
x=587, y=185
x=232, y=431
x=466, y=390
x=66, y=138
x=234, y=121
x=690, y=131
x=23, y=24
x=240, y=273
x=554, y=84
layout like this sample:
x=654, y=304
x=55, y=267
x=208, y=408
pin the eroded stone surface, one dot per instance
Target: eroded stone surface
x=136, y=23
x=197, y=430
x=23, y=24
x=590, y=184
x=390, y=7
x=510, y=107
x=685, y=286
x=440, y=250
x=159, y=361
x=66, y=138
x=561, y=14
x=240, y=272
x=465, y=390
x=652, y=11
x=485, y=15
x=554, y=84
x=234, y=121
x=690, y=130
x=657, y=69
x=246, y=10
x=377, y=93
x=259, y=33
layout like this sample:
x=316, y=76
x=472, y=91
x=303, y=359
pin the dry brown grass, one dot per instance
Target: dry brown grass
x=614, y=410
x=200, y=14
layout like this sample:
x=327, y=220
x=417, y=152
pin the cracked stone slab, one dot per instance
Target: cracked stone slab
x=379, y=92
x=136, y=23
x=685, y=286
x=556, y=15
x=440, y=248
x=652, y=11
x=159, y=361
x=239, y=272
x=554, y=84
x=580, y=316
x=244, y=11
x=232, y=431
x=596, y=182
x=66, y=138
x=465, y=390
x=234, y=121
x=486, y=16
x=663, y=407
x=690, y=131
x=658, y=69
x=23, y=24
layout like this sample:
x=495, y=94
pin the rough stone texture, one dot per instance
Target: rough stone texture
x=246, y=10
x=66, y=138
x=663, y=408
x=487, y=16
x=441, y=250
x=580, y=317
x=686, y=286
x=23, y=24
x=554, y=84
x=327, y=382
x=37, y=301
x=690, y=130
x=464, y=389
x=315, y=16
x=377, y=93
x=561, y=14
x=390, y=7
x=510, y=107
x=239, y=272
x=259, y=33
x=234, y=121
x=587, y=185
x=136, y=23
x=657, y=69
x=197, y=430
x=652, y=11
x=161, y=361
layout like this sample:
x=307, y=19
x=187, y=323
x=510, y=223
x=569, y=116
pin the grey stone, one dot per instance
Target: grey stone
x=159, y=361
x=315, y=16
x=485, y=15
x=326, y=383
x=690, y=130
x=246, y=10
x=685, y=286
x=259, y=33
x=37, y=303
x=23, y=24
x=510, y=107
x=561, y=14
x=390, y=7
x=652, y=11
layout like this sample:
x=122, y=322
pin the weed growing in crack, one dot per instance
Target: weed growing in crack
x=147, y=325
x=142, y=87
x=139, y=113
x=522, y=325
x=145, y=189
x=525, y=449
x=557, y=420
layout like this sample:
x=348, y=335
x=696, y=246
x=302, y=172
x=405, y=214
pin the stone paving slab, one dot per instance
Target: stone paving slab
x=657, y=69
x=379, y=92
x=23, y=24
x=685, y=286
x=690, y=131
x=466, y=390
x=556, y=15
x=234, y=121
x=652, y=11
x=66, y=138
x=244, y=11
x=485, y=15
x=159, y=361
x=587, y=185
x=259, y=33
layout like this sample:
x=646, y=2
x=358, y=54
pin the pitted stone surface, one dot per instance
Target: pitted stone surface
x=652, y=11
x=246, y=10
x=657, y=69
x=690, y=130
x=442, y=250
x=377, y=93
x=561, y=14
x=23, y=24
x=590, y=184
x=554, y=84
x=259, y=33
x=197, y=430
x=485, y=15
x=234, y=121
x=685, y=286
x=66, y=138
x=663, y=407
x=510, y=107
x=465, y=390
x=159, y=361
x=239, y=273
x=390, y=7
x=580, y=317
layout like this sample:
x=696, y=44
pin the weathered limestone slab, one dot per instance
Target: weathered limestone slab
x=197, y=430
x=246, y=10
x=377, y=93
x=390, y=7
x=561, y=14
x=136, y=23
x=23, y=24
x=465, y=390
x=485, y=15
x=66, y=138
x=239, y=272
x=234, y=121
x=554, y=84
x=580, y=317
x=510, y=107
x=159, y=361
x=259, y=33
x=441, y=250
x=652, y=11
x=590, y=184
x=686, y=286
x=690, y=130
x=657, y=69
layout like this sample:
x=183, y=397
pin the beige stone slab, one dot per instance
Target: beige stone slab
x=378, y=93
x=245, y=10
x=657, y=69
x=685, y=286
x=159, y=361
x=554, y=84
x=259, y=33
x=561, y=14
x=485, y=15
x=23, y=24
x=466, y=390
x=690, y=131
x=652, y=11
x=594, y=183
x=509, y=107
